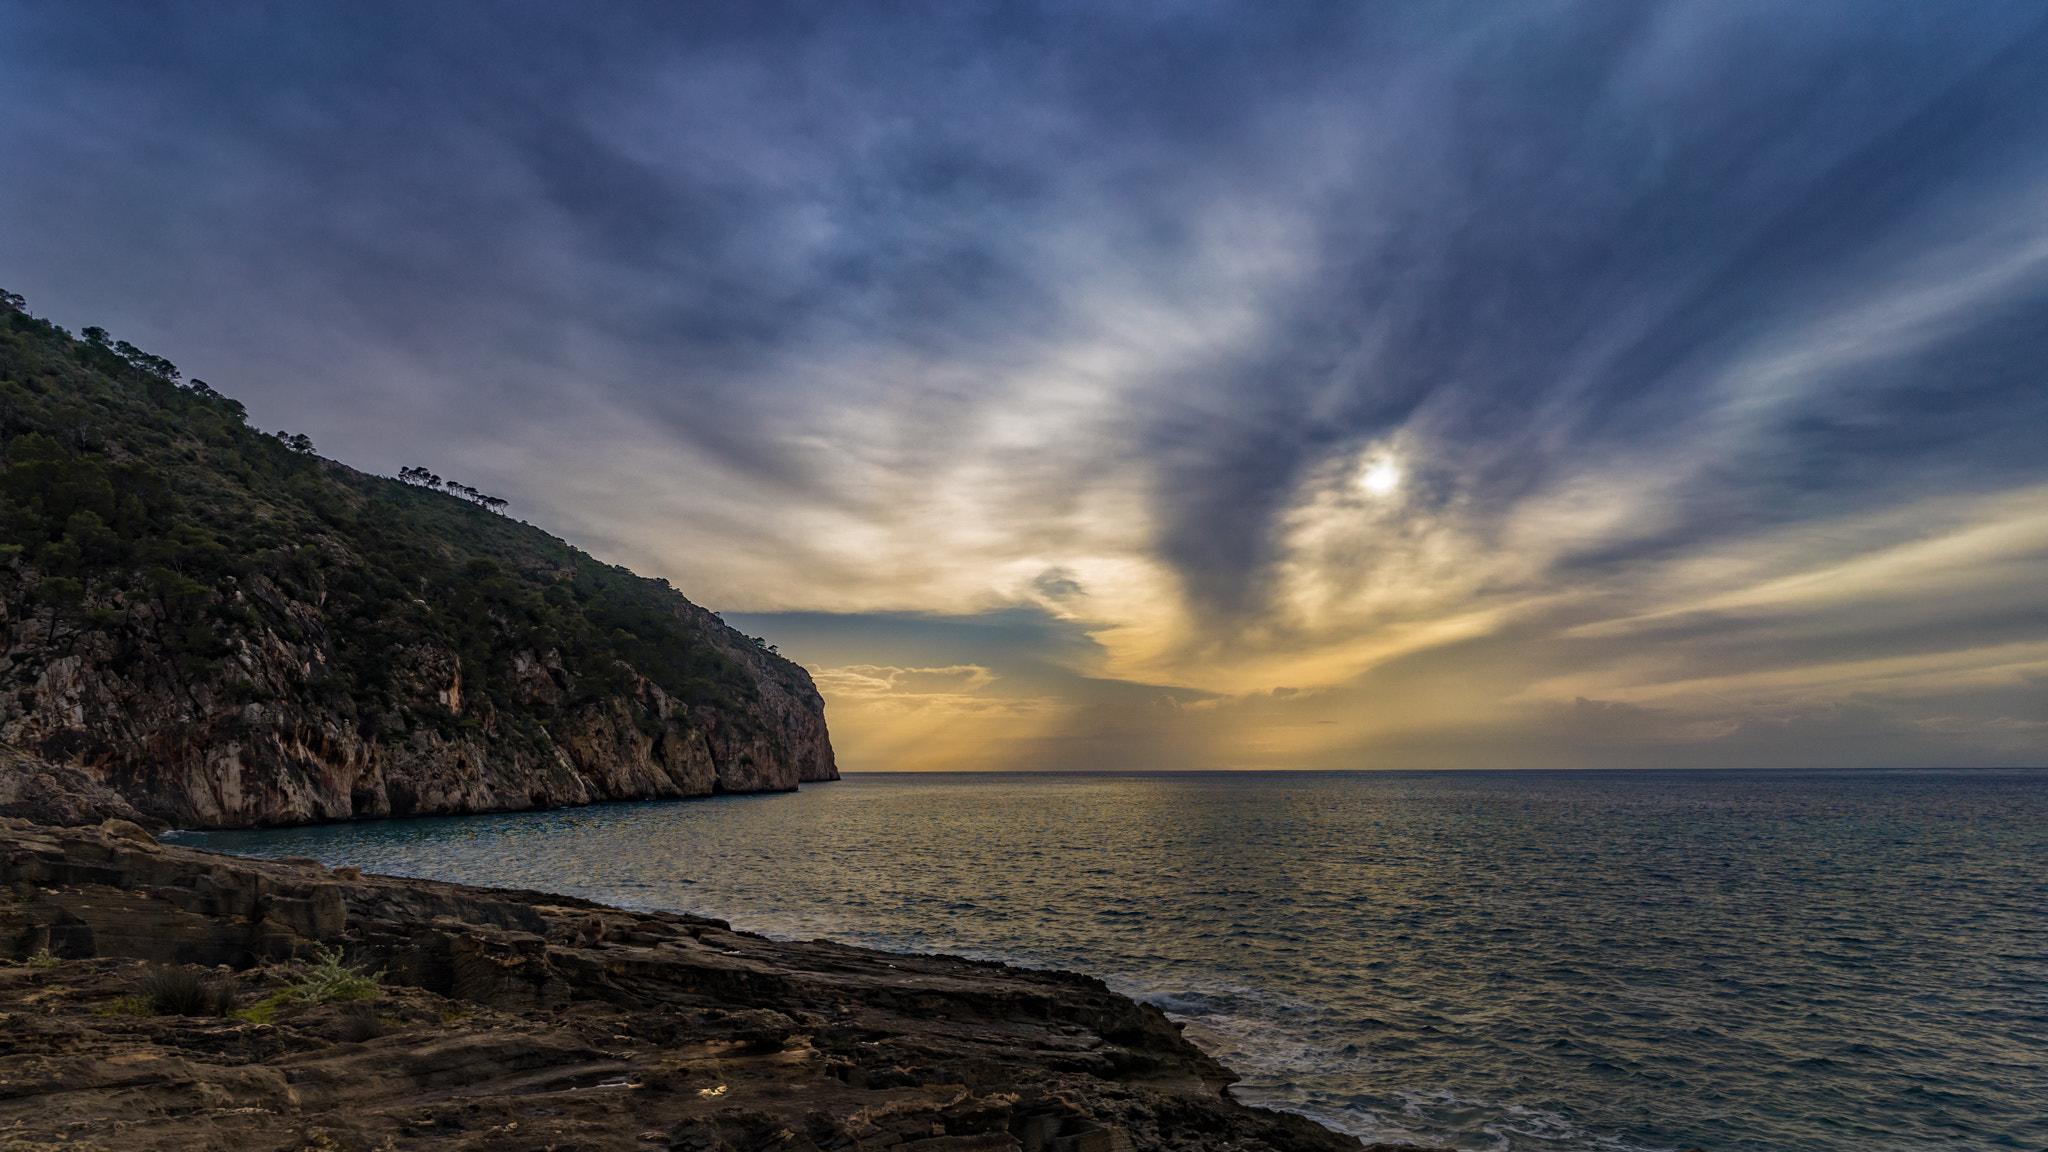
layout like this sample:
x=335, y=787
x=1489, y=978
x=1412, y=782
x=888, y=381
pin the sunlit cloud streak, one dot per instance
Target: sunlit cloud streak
x=1337, y=386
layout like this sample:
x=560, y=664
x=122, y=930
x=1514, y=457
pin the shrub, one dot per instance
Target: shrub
x=185, y=991
x=330, y=979
x=42, y=959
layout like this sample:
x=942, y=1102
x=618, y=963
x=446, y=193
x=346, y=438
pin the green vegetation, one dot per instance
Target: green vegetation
x=126, y=1006
x=330, y=979
x=327, y=978
x=144, y=509
x=42, y=959
x=265, y=1011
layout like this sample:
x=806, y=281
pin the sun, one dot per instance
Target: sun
x=1380, y=478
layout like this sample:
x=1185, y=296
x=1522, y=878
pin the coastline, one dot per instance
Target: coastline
x=520, y=1019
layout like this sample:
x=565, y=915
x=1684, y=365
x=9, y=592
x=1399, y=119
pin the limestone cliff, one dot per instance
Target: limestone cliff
x=206, y=626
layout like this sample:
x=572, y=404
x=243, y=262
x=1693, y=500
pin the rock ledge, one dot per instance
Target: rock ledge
x=520, y=1020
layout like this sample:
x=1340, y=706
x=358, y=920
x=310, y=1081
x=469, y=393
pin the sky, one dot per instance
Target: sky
x=1178, y=385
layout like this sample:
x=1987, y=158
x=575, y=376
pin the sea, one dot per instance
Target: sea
x=1517, y=961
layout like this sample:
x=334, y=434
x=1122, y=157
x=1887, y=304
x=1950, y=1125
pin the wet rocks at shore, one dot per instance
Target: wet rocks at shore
x=519, y=1020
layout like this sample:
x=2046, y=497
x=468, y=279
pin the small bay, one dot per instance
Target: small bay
x=1539, y=961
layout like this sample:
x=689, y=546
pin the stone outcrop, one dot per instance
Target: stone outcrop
x=518, y=1020
x=57, y=794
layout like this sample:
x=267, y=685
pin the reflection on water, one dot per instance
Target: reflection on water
x=1491, y=960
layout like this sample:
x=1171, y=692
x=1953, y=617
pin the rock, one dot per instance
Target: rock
x=127, y=830
x=60, y=795
x=506, y=1026
x=333, y=1140
x=986, y=1142
x=105, y=731
x=760, y=1026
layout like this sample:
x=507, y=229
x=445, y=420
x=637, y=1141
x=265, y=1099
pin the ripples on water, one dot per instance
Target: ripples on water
x=1517, y=961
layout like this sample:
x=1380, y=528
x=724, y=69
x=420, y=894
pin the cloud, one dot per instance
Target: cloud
x=955, y=681
x=1445, y=364
x=910, y=719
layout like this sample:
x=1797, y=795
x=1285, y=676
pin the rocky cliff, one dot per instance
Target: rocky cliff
x=206, y=626
x=516, y=1020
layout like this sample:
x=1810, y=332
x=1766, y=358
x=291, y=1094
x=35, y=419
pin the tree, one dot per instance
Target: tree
x=60, y=593
x=145, y=362
x=412, y=474
x=480, y=499
x=13, y=301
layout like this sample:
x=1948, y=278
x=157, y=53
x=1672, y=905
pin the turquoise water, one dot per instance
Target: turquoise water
x=1515, y=961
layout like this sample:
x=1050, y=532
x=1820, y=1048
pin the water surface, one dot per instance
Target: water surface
x=1514, y=961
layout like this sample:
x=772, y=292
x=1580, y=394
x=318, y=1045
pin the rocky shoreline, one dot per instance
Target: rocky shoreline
x=520, y=1020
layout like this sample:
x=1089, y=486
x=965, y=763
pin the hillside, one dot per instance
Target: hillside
x=209, y=626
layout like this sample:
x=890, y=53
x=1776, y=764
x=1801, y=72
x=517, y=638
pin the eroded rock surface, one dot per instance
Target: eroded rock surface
x=519, y=1020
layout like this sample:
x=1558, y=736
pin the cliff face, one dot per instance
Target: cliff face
x=247, y=745
x=220, y=630
x=788, y=697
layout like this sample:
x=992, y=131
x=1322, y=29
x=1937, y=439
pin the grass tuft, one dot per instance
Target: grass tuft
x=125, y=1006
x=186, y=991
x=360, y=1022
x=265, y=1010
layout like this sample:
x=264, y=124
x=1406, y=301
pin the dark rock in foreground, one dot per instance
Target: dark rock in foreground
x=519, y=1020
